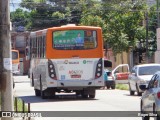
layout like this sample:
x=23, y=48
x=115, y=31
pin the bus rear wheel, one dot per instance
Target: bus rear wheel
x=48, y=93
x=91, y=96
x=37, y=92
x=84, y=94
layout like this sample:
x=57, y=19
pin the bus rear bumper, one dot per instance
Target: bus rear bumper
x=75, y=83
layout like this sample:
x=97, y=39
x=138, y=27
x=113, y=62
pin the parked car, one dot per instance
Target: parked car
x=120, y=74
x=117, y=75
x=150, y=100
x=141, y=75
x=109, y=80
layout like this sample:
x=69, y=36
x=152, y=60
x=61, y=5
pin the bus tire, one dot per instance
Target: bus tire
x=84, y=94
x=37, y=92
x=91, y=96
x=92, y=92
x=32, y=80
x=78, y=93
x=113, y=87
x=51, y=93
x=43, y=95
x=108, y=87
x=41, y=90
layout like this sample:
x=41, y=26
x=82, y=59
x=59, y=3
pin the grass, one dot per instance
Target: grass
x=19, y=105
x=122, y=86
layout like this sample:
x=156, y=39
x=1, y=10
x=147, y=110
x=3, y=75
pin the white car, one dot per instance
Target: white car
x=141, y=75
x=150, y=100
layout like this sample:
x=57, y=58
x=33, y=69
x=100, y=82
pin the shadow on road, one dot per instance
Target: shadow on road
x=57, y=98
x=132, y=95
x=21, y=81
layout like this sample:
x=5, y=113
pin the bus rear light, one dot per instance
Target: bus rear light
x=158, y=95
x=99, y=67
x=51, y=70
x=52, y=75
x=98, y=74
x=51, y=66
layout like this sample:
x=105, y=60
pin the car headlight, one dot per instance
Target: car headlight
x=142, y=82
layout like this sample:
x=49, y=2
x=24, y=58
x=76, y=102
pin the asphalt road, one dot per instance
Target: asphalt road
x=106, y=103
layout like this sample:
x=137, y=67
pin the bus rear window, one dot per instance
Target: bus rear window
x=14, y=55
x=74, y=39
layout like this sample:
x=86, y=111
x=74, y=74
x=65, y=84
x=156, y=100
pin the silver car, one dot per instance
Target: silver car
x=150, y=100
x=141, y=75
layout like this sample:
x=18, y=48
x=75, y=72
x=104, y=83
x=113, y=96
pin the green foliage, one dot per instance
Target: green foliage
x=93, y=21
x=122, y=86
x=152, y=26
x=121, y=20
x=123, y=25
x=19, y=106
x=47, y=13
x=19, y=17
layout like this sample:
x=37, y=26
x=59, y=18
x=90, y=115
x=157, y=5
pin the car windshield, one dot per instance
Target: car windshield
x=148, y=70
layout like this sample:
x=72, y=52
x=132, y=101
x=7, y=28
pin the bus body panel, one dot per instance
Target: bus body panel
x=74, y=53
x=70, y=73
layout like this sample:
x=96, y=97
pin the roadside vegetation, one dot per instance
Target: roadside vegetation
x=122, y=21
x=122, y=86
x=19, y=106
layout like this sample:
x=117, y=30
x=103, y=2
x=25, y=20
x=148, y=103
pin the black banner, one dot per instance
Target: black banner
x=77, y=114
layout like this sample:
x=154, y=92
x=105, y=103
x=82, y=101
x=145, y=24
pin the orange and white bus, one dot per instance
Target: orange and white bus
x=66, y=58
x=15, y=62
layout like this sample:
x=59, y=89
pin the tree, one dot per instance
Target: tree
x=19, y=17
x=121, y=20
x=152, y=26
x=91, y=13
x=123, y=24
x=49, y=13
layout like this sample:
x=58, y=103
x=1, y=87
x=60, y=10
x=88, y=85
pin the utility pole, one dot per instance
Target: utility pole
x=158, y=21
x=6, y=80
x=147, y=55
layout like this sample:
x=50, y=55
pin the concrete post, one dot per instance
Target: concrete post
x=5, y=59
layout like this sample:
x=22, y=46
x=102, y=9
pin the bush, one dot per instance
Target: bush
x=122, y=86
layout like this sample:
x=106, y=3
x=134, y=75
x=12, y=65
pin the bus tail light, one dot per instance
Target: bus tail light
x=99, y=68
x=158, y=95
x=51, y=70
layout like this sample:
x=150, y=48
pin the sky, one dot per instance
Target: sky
x=14, y=4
